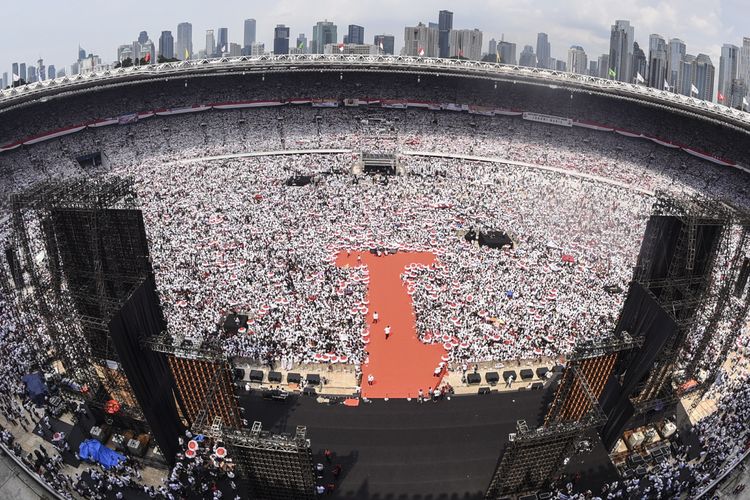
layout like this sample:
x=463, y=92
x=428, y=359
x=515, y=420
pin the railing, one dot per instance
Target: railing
x=377, y=63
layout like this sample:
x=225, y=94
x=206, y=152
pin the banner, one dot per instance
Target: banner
x=481, y=110
x=181, y=111
x=104, y=123
x=449, y=106
x=246, y=104
x=548, y=119
x=593, y=126
x=53, y=135
x=325, y=103
x=393, y=104
x=126, y=119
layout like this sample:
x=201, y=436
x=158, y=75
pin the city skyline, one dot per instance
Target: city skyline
x=705, y=27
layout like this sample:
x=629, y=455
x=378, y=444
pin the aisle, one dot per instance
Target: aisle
x=402, y=364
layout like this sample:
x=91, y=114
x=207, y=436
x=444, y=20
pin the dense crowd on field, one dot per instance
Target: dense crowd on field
x=228, y=235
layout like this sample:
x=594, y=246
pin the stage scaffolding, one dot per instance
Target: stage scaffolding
x=61, y=230
x=203, y=377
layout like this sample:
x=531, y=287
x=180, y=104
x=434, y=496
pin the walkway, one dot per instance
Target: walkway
x=402, y=364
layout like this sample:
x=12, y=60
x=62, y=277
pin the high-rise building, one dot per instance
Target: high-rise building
x=560, y=65
x=222, y=43
x=5, y=80
x=210, y=43
x=703, y=74
x=543, y=51
x=281, y=39
x=421, y=40
x=728, y=68
x=492, y=47
x=507, y=52
x=31, y=74
x=41, y=70
x=737, y=92
x=640, y=64
x=465, y=44
x=527, y=57
x=385, y=42
x=235, y=49
x=14, y=70
x=687, y=75
x=445, y=25
x=593, y=68
x=621, y=51
x=301, y=45
x=142, y=37
x=184, y=46
x=603, y=64
x=149, y=47
x=257, y=49
x=356, y=35
x=125, y=52
x=676, y=50
x=166, y=45
x=657, y=61
x=51, y=72
x=249, y=35
x=81, y=53
x=323, y=32
x=22, y=72
x=744, y=66
x=577, y=60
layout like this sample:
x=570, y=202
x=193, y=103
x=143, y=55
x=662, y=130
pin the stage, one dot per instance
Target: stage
x=404, y=449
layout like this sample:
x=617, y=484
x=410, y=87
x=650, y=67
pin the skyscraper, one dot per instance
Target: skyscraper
x=657, y=61
x=22, y=71
x=166, y=45
x=687, y=75
x=621, y=51
x=507, y=51
x=222, y=44
x=492, y=47
x=542, y=51
x=31, y=75
x=640, y=64
x=249, y=36
x=51, y=72
x=421, y=41
x=387, y=41
x=184, y=48
x=577, y=60
x=14, y=70
x=744, y=66
x=356, y=34
x=676, y=50
x=445, y=25
x=593, y=68
x=323, y=32
x=5, y=79
x=210, y=43
x=301, y=44
x=41, y=70
x=603, y=64
x=703, y=73
x=527, y=57
x=142, y=37
x=281, y=39
x=728, y=66
x=465, y=44
x=81, y=53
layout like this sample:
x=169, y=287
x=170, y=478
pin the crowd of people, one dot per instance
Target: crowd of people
x=229, y=235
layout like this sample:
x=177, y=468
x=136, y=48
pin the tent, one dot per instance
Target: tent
x=91, y=449
x=36, y=387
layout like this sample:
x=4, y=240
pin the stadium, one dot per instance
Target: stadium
x=374, y=277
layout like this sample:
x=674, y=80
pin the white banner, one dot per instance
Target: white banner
x=548, y=119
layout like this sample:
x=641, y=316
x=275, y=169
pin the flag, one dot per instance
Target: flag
x=744, y=102
x=497, y=56
x=341, y=47
x=720, y=96
x=612, y=73
x=421, y=52
x=666, y=85
x=16, y=78
x=301, y=45
x=693, y=89
x=187, y=54
x=381, y=45
x=148, y=57
x=638, y=77
x=460, y=53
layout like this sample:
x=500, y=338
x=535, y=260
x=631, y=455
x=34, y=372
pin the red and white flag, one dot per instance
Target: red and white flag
x=421, y=52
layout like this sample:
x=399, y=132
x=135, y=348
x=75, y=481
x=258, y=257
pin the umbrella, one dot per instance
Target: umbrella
x=221, y=452
x=343, y=359
x=192, y=445
x=190, y=453
x=318, y=356
x=448, y=346
x=445, y=357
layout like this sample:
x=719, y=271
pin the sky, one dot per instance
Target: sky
x=53, y=29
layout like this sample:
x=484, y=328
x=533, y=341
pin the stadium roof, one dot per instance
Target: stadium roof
x=10, y=98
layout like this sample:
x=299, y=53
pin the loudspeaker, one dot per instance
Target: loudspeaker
x=309, y=391
x=293, y=378
x=313, y=379
x=239, y=373
x=492, y=377
x=473, y=378
x=527, y=374
x=274, y=377
x=256, y=376
x=484, y=390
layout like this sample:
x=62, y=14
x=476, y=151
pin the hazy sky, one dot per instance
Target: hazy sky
x=52, y=29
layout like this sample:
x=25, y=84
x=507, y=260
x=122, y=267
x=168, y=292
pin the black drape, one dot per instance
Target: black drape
x=665, y=231
x=147, y=371
x=642, y=317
